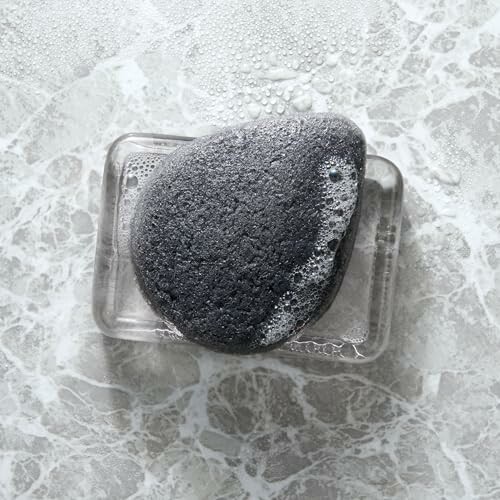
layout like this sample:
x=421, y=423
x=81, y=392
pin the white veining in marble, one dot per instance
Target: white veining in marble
x=82, y=416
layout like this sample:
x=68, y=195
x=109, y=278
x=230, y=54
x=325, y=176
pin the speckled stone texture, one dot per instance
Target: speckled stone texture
x=228, y=232
x=82, y=416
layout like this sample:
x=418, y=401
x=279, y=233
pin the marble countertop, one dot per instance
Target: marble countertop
x=82, y=416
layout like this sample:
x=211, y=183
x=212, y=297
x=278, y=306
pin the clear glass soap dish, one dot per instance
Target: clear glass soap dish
x=355, y=328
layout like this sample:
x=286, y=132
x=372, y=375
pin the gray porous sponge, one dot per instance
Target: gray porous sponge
x=241, y=238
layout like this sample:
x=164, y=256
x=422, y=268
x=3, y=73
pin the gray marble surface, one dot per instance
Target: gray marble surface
x=82, y=416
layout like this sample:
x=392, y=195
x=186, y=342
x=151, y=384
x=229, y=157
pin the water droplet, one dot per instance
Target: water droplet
x=254, y=110
x=334, y=175
x=302, y=102
x=132, y=181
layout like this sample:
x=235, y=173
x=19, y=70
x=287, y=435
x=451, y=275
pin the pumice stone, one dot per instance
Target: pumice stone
x=242, y=238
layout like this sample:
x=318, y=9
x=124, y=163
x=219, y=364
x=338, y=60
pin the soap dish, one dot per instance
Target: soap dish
x=354, y=329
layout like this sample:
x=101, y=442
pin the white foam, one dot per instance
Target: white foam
x=137, y=170
x=297, y=304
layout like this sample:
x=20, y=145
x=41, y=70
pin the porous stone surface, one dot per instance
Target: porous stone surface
x=241, y=238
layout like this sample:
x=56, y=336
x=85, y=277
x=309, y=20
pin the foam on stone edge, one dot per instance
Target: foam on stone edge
x=295, y=305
